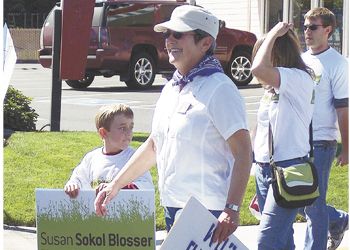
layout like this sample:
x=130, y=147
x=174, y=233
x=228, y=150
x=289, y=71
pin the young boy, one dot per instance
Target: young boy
x=114, y=124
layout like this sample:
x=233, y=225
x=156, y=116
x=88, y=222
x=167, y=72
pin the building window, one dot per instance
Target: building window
x=300, y=7
x=337, y=8
x=275, y=10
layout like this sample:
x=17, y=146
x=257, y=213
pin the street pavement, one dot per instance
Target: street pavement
x=79, y=107
x=24, y=238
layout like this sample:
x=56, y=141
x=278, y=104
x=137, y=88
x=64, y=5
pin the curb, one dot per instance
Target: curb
x=24, y=238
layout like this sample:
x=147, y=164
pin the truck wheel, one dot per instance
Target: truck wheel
x=142, y=71
x=81, y=84
x=240, y=68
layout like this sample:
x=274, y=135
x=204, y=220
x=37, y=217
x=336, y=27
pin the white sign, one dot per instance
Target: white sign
x=9, y=62
x=71, y=224
x=194, y=229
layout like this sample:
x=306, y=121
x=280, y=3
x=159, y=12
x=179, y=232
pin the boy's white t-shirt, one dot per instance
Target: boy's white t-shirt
x=97, y=167
x=289, y=113
x=332, y=79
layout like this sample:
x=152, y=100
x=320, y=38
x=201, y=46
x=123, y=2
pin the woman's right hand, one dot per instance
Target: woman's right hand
x=100, y=187
x=281, y=28
x=104, y=196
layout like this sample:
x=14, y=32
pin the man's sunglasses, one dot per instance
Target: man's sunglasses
x=176, y=35
x=312, y=27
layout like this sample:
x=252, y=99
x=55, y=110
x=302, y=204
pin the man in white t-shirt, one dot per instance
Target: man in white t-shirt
x=331, y=105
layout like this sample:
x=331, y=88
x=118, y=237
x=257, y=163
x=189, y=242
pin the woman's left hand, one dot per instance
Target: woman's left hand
x=228, y=223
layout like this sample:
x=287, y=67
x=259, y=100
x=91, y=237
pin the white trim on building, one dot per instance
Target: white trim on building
x=238, y=14
x=253, y=15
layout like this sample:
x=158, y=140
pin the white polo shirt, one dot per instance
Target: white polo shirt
x=190, y=129
x=331, y=70
x=289, y=113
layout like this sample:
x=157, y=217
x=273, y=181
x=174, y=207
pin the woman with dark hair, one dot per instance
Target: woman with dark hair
x=285, y=111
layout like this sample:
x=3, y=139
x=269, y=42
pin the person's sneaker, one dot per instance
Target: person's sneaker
x=335, y=240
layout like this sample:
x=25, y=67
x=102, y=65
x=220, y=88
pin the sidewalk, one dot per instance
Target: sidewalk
x=24, y=238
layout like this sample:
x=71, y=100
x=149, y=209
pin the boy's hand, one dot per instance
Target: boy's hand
x=72, y=190
x=130, y=186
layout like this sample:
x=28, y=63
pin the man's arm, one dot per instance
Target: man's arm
x=343, y=122
x=240, y=146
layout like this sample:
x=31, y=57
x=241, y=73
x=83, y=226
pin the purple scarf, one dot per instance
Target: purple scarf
x=206, y=67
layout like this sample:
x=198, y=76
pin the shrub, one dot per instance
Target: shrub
x=18, y=115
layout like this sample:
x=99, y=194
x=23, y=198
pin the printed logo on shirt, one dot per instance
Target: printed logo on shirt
x=184, y=107
x=270, y=97
x=266, y=98
x=317, y=79
x=275, y=97
x=95, y=183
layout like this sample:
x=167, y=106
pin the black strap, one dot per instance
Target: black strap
x=311, y=141
x=271, y=147
x=271, y=150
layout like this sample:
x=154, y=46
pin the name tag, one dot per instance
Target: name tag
x=184, y=107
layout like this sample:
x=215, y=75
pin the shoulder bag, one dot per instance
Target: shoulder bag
x=297, y=185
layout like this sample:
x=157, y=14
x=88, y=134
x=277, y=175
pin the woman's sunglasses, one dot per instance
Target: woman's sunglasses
x=176, y=35
x=312, y=27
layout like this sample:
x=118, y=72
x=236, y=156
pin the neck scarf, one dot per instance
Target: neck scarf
x=206, y=67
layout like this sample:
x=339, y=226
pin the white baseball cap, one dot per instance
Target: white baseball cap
x=187, y=18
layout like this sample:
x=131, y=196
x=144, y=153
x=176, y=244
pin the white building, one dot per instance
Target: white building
x=259, y=16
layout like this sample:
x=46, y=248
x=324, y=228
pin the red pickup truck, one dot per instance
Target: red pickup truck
x=122, y=42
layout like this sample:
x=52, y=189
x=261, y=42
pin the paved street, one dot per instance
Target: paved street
x=80, y=106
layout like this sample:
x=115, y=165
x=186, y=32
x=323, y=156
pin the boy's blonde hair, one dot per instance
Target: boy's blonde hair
x=106, y=114
x=327, y=17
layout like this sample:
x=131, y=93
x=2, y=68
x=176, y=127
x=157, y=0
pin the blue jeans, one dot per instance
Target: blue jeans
x=319, y=215
x=276, y=223
x=170, y=215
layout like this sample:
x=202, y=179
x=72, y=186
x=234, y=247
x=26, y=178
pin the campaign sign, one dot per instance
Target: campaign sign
x=194, y=229
x=71, y=224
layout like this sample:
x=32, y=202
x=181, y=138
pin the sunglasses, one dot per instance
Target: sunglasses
x=176, y=35
x=312, y=27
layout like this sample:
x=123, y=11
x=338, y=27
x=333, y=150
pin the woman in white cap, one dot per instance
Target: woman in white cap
x=199, y=138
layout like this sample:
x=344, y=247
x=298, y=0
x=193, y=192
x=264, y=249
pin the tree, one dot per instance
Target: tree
x=37, y=6
x=21, y=10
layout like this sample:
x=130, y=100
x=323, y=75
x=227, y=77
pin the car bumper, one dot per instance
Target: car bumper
x=104, y=59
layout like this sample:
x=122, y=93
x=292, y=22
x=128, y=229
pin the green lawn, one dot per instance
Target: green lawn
x=46, y=159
